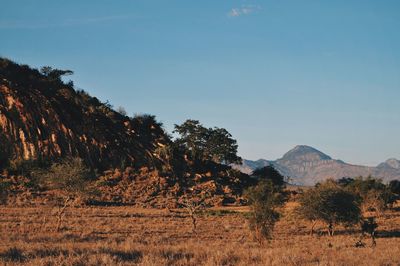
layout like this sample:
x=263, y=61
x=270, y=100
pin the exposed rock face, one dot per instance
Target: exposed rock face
x=42, y=118
x=307, y=166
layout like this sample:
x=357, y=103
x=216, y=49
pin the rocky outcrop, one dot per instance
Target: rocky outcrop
x=44, y=119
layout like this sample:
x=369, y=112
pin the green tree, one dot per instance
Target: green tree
x=394, y=187
x=269, y=173
x=192, y=136
x=207, y=144
x=375, y=195
x=331, y=204
x=264, y=199
x=55, y=74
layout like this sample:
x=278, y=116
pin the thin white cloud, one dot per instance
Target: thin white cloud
x=25, y=24
x=243, y=10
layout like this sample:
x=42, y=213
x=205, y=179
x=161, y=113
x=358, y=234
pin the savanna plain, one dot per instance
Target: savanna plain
x=124, y=235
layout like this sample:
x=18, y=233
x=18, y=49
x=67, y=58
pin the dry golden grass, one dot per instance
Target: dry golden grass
x=127, y=235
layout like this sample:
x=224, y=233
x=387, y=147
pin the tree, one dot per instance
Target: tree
x=375, y=195
x=55, y=74
x=192, y=137
x=394, y=187
x=72, y=178
x=122, y=111
x=330, y=204
x=207, y=144
x=269, y=173
x=193, y=206
x=264, y=199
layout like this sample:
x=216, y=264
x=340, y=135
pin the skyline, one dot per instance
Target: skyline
x=274, y=74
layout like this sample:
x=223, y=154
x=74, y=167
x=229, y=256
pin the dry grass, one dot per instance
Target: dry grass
x=127, y=235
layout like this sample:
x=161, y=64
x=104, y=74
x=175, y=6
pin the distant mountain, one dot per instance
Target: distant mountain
x=391, y=163
x=306, y=165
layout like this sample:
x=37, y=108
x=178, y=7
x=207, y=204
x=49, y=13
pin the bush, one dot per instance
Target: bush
x=264, y=199
x=72, y=178
x=394, y=187
x=269, y=173
x=375, y=195
x=331, y=204
x=4, y=190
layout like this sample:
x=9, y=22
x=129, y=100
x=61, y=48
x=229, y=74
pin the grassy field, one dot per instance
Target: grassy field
x=128, y=235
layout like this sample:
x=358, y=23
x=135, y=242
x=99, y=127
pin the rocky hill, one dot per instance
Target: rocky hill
x=305, y=165
x=42, y=118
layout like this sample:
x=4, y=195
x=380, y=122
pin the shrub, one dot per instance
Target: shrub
x=4, y=191
x=72, y=178
x=264, y=198
x=269, y=173
x=331, y=204
x=394, y=187
x=375, y=195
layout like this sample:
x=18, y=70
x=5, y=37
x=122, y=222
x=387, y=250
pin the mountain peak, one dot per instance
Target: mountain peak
x=392, y=162
x=305, y=153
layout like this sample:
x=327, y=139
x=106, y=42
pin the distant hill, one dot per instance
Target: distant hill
x=306, y=165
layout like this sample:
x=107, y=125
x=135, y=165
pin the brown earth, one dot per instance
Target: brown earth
x=137, y=236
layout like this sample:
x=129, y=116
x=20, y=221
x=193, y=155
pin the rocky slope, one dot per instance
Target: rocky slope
x=43, y=118
x=307, y=166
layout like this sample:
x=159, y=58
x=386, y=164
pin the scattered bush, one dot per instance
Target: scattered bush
x=72, y=178
x=375, y=195
x=264, y=199
x=331, y=204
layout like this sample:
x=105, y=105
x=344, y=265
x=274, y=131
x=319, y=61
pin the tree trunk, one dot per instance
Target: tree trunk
x=60, y=213
x=312, y=228
x=330, y=229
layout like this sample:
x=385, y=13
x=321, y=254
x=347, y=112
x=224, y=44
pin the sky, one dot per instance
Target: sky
x=274, y=73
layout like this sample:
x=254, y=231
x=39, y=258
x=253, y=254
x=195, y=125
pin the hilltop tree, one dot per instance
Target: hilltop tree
x=54, y=73
x=331, y=204
x=207, y=144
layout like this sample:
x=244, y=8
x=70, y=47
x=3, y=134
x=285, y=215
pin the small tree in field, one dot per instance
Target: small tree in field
x=72, y=178
x=330, y=204
x=264, y=199
x=193, y=207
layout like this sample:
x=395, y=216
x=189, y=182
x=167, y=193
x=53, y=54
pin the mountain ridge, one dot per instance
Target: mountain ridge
x=306, y=165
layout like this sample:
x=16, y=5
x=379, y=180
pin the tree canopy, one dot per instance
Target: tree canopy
x=207, y=144
x=269, y=173
x=330, y=203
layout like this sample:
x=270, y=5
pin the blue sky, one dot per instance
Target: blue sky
x=274, y=73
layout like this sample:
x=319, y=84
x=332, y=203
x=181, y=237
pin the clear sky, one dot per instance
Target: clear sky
x=274, y=73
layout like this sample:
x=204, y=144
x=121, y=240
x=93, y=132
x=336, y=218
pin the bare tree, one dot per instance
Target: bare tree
x=193, y=206
x=71, y=178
